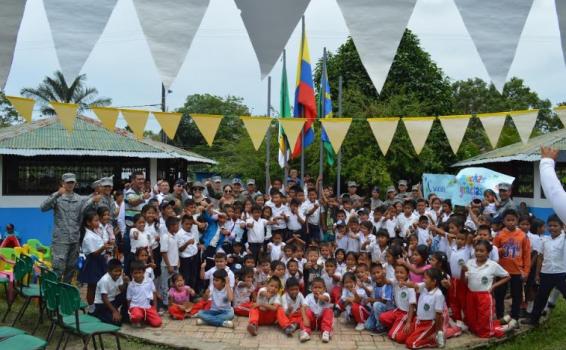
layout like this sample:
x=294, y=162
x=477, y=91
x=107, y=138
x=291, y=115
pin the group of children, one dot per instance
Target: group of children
x=417, y=273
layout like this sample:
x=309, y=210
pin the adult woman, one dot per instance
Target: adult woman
x=227, y=196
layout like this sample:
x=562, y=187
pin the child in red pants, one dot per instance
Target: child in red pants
x=179, y=298
x=140, y=294
x=243, y=293
x=458, y=255
x=292, y=303
x=353, y=300
x=267, y=309
x=400, y=321
x=317, y=312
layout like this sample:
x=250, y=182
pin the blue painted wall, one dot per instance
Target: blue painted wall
x=541, y=213
x=29, y=222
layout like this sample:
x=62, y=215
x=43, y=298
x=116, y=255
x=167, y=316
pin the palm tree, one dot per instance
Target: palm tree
x=56, y=89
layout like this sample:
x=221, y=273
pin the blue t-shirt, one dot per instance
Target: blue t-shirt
x=384, y=292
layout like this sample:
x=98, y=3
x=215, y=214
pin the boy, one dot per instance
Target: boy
x=243, y=293
x=263, y=273
x=140, y=295
x=110, y=296
x=256, y=231
x=551, y=268
x=188, y=249
x=312, y=210
x=276, y=246
x=317, y=312
x=170, y=256
x=340, y=232
x=378, y=248
x=311, y=269
x=292, y=304
x=515, y=258
x=221, y=312
x=325, y=253
x=381, y=300
x=422, y=232
x=406, y=219
x=484, y=232
x=332, y=280
x=295, y=223
x=280, y=213
x=353, y=235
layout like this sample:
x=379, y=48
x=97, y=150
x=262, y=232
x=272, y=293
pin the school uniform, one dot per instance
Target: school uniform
x=260, y=317
x=256, y=235
x=280, y=225
x=111, y=288
x=242, y=299
x=363, y=238
x=404, y=223
x=353, y=242
x=95, y=264
x=423, y=236
x=342, y=241
x=431, y=302
x=457, y=257
x=276, y=250
x=154, y=232
x=292, y=308
x=319, y=314
x=479, y=301
x=143, y=240
x=294, y=226
x=139, y=296
x=378, y=254
x=395, y=319
x=188, y=257
x=168, y=244
x=355, y=310
x=332, y=287
x=313, y=220
x=220, y=308
x=385, y=293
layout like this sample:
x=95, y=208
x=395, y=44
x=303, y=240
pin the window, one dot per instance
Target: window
x=42, y=175
x=523, y=172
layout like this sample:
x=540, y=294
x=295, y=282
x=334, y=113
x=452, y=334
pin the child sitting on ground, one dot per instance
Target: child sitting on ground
x=110, y=296
x=221, y=312
x=179, y=298
x=317, y=313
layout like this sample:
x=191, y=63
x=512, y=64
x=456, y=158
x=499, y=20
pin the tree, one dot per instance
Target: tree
x=8, y=115
x=56, y=89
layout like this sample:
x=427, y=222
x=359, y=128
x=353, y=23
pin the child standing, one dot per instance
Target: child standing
x=110, y=297
x=515, y=258
x=180, y=298
x=257, y=227
x=317, y=313
x=458, y=255
x=221, y=312
x=139, y=239
x=188, y=250
x=140, y=294
x=170, y=256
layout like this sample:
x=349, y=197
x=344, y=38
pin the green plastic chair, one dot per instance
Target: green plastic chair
x=69, y=305
x=7, y=332
x=23, y=270
x=23, y=342
x=35, y=246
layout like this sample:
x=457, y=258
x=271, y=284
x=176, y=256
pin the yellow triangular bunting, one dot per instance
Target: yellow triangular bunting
x=169, y=122
x=455, y=127
x=107, y=116
x=24, y=106
x=525, y=122
x=383, y=131
x=136, y=120
x=292, y=128
x=493, y=124
x=256, y=127
x=336, y=129
x=561, y=112
x=418, y=129
x=67, y=113
x=208, y=125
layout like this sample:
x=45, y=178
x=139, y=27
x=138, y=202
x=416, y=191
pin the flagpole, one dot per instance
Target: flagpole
x=322, y=98
x=268, y=137
x=285, y=150
x=339, y=165
x=302, y=111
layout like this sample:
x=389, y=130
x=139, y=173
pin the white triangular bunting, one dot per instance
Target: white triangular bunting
x=383, y=131
x=455, y=128
x=561, y=12
x=561, y=112
x=418, y=129
x=11, y=15
x=270, y=23
x=525, y=122
x=493, y=124
x=495, y=28
x=76, y=26
x=377, y=26
x=169, y=27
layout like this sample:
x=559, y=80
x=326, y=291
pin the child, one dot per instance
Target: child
x=317, y=312
x=419, y=264
x=295, y=222
x=366, y=236
x=381, y=301
x=378, y=247
x=275, y=247
x=422, y=231
x=93, y=247
x=110, y=298
x=325, y=253
x=332, y=280
x=351, y=262
x=406, y=219
x=188, y=250
x=288, y=253
x=515, y=258
x=353, y=235
x=263, y=272
x=170, y=255
x=221, y=312
x=479, y=274
x=267, y=309
x=400, y=320
x=458, y=255
x=341, y=235
x=151, y=227
x=312, y=211
x=243, y=292
x=279, y=270
x=311, y=269
x=292, y=303
x=107, y=230
x=11, y=237
x=551, y=270
x=141, y=293
x=535, y=236
x=256, y=232
x=353, y=300
x=180, y=298
x=142, y=255
x=138, y=237
x=429, y=321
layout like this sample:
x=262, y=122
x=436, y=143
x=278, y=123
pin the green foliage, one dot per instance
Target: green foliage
x=8, y=115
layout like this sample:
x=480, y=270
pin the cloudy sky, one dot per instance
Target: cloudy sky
x=221, y=60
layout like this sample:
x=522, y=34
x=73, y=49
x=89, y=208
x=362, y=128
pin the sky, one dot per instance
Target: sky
x=221, y=60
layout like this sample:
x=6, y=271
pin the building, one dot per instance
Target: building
x=522, y=162
x=34, y=156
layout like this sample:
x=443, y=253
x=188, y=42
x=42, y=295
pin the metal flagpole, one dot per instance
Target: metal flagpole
x=321, y=115
x=268, y=137
x=285, y=148
x=302, y=111
x=339, y=165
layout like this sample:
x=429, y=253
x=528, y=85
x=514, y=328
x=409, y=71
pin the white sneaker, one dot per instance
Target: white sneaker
x=507, y=319
x=90, y=309
x=199, y=322
x=360, y=327
x=440, y=340
x=461, y=325
x=513, y=324
x=227, y=324
x=304, y=337
x=325, y=337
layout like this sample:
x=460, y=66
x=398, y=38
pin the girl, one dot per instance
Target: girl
x=179, y=298
x=93, y=246
x=267, y=309
x=351, y=262
x=107, y=230
x=419, y=264
x=138, y=237
x=393, y=253
x=446, y=210
x=479, y=274
x=490, y=203
x=278, y=270
x=367, y=235
x=353, y=299
x=142, y=255
x=413, y=243
x=458, y=254
x=267, y=214
x=429, y=323
x=150, y=215
x=340, y=256
x=400, y=320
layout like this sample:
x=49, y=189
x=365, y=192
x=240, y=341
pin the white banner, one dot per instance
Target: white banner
x=169, y=27
x=561, y=12
x=10, y=19
x=270, y=23
x=525, y=122
x=495, y=28
x=76, y=26
x=377, y=27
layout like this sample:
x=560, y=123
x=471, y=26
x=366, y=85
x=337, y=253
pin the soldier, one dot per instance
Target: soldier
x=403, y=194
x=251, y=191
x=391, y=196
x=102, y=197
x=67, y=214
x=352, y=191
x=505, y=200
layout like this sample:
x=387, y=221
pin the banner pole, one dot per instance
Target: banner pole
x=321, y=115
x=285, y=148
x=302, y=112
x=268, y=138
x=339, y=163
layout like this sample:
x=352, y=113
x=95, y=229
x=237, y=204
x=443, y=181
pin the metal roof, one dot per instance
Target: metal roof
x=89, y=138
x=529, y=152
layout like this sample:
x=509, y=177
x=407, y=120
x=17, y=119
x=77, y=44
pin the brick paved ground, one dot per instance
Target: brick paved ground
x=186, y=334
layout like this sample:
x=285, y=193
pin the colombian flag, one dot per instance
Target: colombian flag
x=305, y=103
